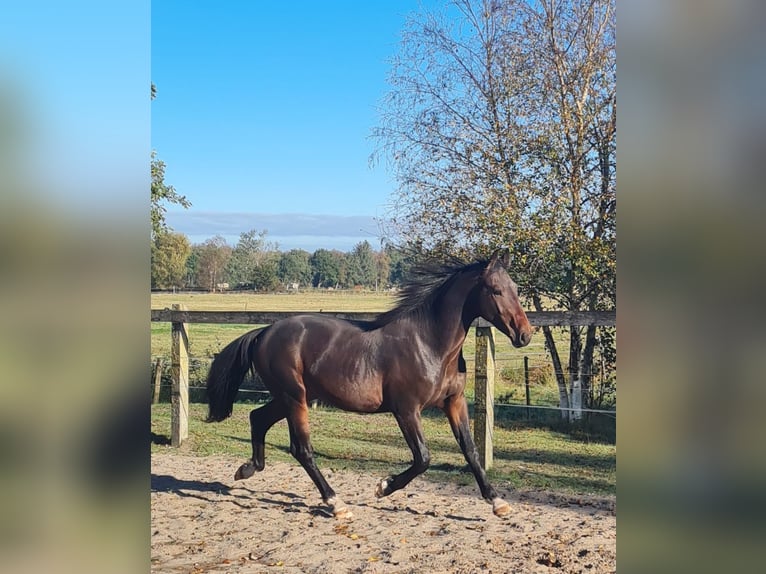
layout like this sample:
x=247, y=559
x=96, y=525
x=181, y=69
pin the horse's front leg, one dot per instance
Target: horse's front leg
x=456, y=409
x=412, y=429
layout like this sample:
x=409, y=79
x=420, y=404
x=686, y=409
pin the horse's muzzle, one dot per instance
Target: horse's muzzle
x=521, y=339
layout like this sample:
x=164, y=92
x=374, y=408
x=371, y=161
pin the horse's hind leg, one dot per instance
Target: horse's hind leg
x=261, y=420
x=456, y=410
x=412, y=429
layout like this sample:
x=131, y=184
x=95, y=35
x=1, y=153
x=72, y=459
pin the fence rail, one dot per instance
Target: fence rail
x=484, y=414
x=536, y=318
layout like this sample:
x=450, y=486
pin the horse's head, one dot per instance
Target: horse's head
x=498, y=301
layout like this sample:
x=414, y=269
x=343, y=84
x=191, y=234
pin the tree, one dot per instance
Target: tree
x=343, y=270
x=161, y=193
x=361, y=265
x=170, y=251
x=382, y=269
x=191, y=266
x=212, y=259
x=265, y=273
x=248, y=253
x=294, y=267
x=501, y=128
x=325, y=267
x=400, y=262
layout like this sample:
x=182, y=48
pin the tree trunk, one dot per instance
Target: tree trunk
x=586, y=366
x=575, y=345
x=550, y=342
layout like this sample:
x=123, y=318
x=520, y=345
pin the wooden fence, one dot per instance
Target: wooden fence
x=484, y=413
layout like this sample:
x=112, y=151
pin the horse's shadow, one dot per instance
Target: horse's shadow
x=430, y=513
x=197, y=489
x=167, y=483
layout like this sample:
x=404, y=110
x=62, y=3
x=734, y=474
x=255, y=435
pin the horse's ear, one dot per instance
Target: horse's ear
x=500, y=257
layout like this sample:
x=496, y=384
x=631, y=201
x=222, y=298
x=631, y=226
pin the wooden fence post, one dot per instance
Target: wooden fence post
x=484, y=415
x=179, y=413
x=526, y=382
x=157, y=380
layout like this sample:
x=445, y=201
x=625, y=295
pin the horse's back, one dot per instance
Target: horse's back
x=332, y=359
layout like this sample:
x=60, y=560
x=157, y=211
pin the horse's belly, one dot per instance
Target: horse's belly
x=351, y=389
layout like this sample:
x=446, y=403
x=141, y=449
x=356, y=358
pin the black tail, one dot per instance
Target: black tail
x=227, y=373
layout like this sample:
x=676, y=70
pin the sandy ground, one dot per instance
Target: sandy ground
x=204, y=521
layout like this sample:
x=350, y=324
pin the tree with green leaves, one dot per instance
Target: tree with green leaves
x=266, y=272
x=325, y=267
x=500, y=125
x=249, y=252
x=294, y=267
x=211, y=262
x=170, y=252
x=361, y=265
x=400, y=262
x=162, y=194
x=382, y=269
x=191, y=266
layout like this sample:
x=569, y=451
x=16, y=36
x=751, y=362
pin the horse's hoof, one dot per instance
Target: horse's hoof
x=500, y=507
x=382, y=489
x=339, y=510
x=245, y=471
x=342, y=513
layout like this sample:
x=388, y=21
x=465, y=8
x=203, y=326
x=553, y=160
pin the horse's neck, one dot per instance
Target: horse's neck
x=454, y=313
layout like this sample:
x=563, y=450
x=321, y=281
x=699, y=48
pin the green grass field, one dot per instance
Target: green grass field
x=207, y=339
x=524, y=458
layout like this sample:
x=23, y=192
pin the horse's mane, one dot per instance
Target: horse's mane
x=422, y=288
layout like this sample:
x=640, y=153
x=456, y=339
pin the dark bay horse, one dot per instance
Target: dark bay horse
x=405, y=360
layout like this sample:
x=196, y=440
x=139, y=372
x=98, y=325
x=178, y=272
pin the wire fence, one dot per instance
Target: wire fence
x=520, y=392
x=253, y=388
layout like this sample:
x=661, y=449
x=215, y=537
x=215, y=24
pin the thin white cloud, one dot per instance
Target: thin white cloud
x=289, y=230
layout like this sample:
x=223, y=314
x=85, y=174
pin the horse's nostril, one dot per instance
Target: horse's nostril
x=526, y=337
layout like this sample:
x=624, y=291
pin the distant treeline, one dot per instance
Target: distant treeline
x=256, y=263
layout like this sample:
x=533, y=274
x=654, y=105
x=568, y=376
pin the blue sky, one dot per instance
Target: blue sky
x=264, y=112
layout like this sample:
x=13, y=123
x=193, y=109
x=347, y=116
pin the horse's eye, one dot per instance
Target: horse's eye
x=496, y=292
